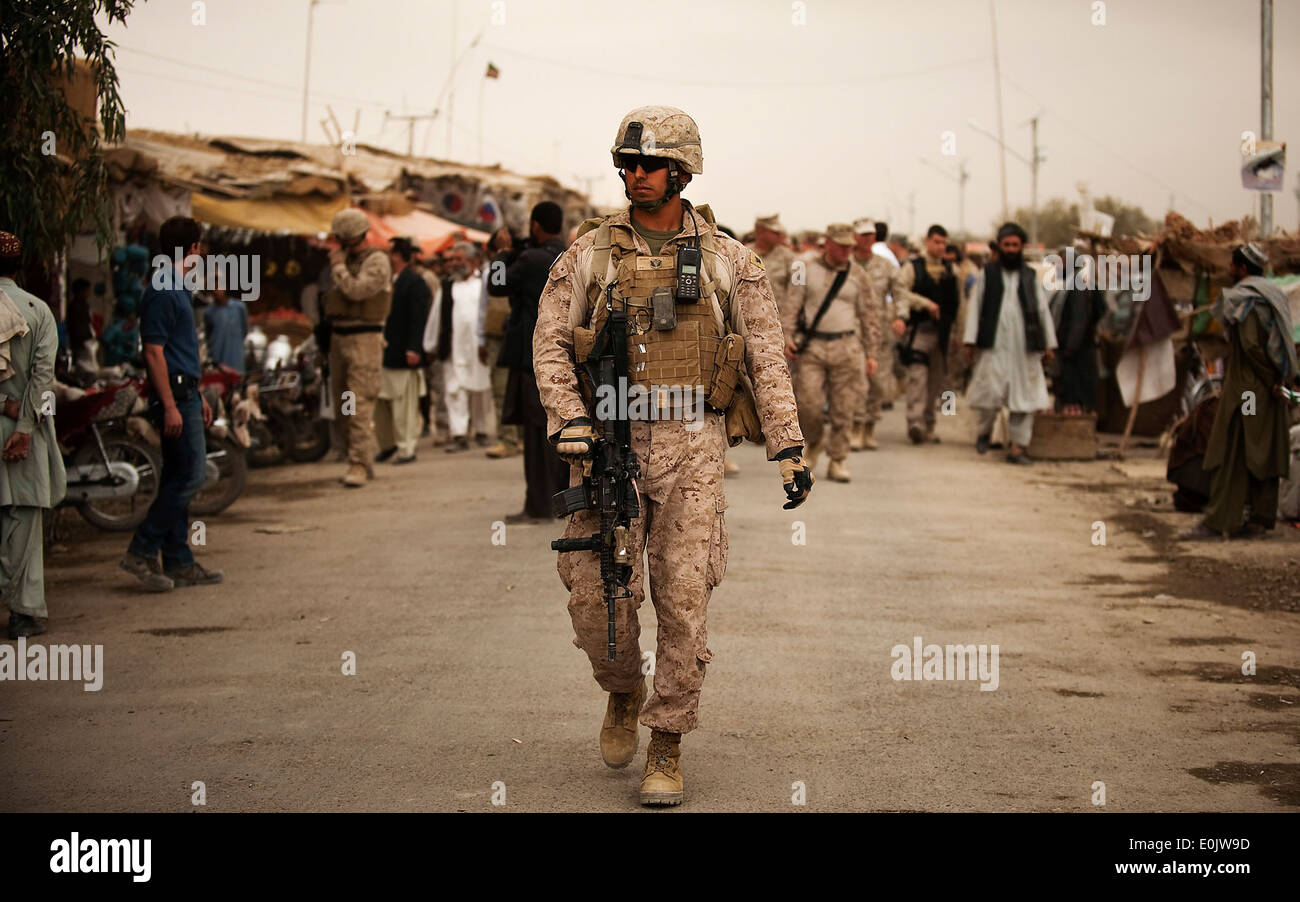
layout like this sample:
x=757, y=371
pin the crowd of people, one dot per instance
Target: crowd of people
x=798, y=345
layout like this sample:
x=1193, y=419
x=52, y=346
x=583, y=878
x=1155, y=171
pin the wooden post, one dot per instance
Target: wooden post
x=1137, y=401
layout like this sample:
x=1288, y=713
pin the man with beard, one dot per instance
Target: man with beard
x=397, y=412
x=926, y=296
x=629, y=263
x=452, y=335
x=1247, y=454
x=1008, y=336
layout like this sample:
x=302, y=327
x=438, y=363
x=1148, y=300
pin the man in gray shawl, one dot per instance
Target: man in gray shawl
x=1248, y=453
x=32, y=477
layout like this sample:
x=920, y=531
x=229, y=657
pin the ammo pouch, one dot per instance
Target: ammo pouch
x=584, y=340
x=742, y=416
x=726, y=371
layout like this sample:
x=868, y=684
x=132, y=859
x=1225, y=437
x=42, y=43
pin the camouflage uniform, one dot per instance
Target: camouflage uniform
x=682, y=530
x=360, y=299
x=881, y=385
x=925, y=381
x=835, y=365
x=777, y=261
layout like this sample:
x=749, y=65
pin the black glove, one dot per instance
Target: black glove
x=796, y=476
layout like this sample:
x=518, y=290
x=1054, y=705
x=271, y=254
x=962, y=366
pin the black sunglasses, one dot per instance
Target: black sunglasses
x=630, y=161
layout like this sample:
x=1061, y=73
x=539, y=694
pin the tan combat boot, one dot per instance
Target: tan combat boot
x=869, y=436
x=730, y=467
x=356, y=476
x=856, y=441
x=837, y=471
x=662, y=783
x=618, y=734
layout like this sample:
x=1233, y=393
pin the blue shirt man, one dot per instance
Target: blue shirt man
x=226, y=323
x=171, y=353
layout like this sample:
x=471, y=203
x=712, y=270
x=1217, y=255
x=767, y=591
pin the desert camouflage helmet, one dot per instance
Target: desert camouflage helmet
x=665, y=131
x=349, y=224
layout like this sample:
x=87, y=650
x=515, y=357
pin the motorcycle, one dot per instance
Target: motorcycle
x=113, y=475
x=289, y=395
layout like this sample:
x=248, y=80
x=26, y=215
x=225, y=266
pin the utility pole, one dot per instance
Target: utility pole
x=1266, y=104
x=1038, y=157
x=306, y=72
x=1033, y=197
x=911, y=213
x=961, y=178
x=997, y=93
x=451, y=77
x=410, y=126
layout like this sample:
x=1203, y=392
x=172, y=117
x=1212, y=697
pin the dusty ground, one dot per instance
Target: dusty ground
x=1118, y=663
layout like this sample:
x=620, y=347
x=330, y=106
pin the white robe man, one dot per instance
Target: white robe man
x=1009, y=325
x=467, y=378
x=31, y=475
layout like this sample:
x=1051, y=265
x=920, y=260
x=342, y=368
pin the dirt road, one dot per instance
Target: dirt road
x=1118, y=663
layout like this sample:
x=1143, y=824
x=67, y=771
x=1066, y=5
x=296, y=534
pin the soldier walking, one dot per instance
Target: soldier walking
x=834, y=320
x=681, y=530
x=881, y=388
x=926, y=297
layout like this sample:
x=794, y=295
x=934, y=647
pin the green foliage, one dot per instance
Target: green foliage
x=50, y=198
x=1057, y=220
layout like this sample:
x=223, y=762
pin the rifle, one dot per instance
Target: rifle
x=610, y=484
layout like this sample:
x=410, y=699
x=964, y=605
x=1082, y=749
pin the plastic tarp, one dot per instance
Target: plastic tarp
x=432, y=233
x=298, y=215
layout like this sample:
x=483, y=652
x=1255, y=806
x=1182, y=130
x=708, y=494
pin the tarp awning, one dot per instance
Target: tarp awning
x=432, y=233
x=305, y=215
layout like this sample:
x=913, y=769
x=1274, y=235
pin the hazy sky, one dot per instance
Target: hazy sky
x=822, y=121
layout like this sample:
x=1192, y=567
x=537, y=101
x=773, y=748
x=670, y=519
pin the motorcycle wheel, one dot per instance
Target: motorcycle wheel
x=121, y=514
x=310, y=439
x=231, y=462
x=270, y=439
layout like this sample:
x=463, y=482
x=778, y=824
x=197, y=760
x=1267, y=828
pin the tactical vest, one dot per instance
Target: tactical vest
x=372, y=310
x=943, y=292
x=699, y=352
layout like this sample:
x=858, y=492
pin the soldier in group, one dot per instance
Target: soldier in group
x=836, y=312
x=881, y=383
x=926, y=299
x=682, y=526
x=357, y=307
x=769, y=244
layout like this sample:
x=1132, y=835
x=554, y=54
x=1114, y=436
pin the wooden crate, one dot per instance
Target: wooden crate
x=1058, y=437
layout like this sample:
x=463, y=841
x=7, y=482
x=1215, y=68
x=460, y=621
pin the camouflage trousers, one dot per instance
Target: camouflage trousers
x=354, y=367
x=833, y=371
x=925, y=382
x=883, y=385
x=682, y=534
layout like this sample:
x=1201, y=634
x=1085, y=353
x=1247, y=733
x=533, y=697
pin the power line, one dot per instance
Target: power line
x=659, y=79
x=296, y=89
x=1136, y=168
